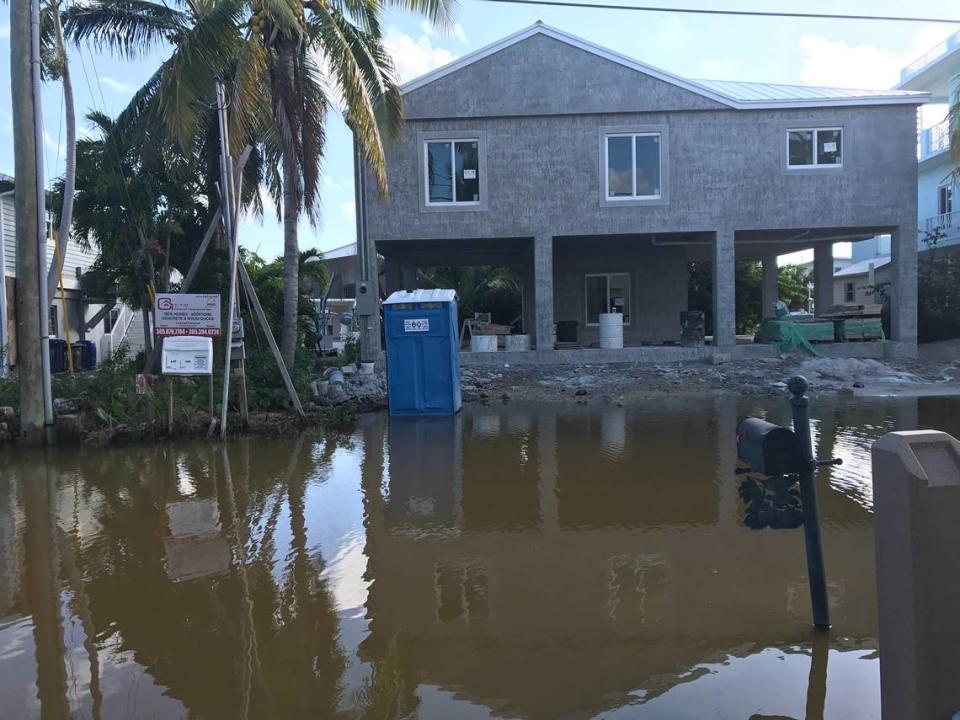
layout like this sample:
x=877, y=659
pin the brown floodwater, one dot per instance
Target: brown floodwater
x=515, y=561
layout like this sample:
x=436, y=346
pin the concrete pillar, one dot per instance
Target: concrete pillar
x=543, y=289
x=822, y=278
x=724, y=295
x=903, y=283
x=916, y=482
x=408, y=275
x=770, y=285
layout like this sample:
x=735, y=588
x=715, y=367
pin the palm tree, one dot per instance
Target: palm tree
x=56, y=66
x=277, y=59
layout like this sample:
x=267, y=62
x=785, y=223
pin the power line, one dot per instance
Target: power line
x=708, y=11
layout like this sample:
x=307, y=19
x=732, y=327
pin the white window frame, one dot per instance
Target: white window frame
x=633, y=166
x=850, y=290
x=945, y=199
x=816, y=131
x=586, y=298
x=453, y=170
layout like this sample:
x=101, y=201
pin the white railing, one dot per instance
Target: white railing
x=945, y=226
x=928, y=57
x=934, y=139
x=111, y=340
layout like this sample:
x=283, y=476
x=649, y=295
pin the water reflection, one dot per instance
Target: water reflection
x=513, y=561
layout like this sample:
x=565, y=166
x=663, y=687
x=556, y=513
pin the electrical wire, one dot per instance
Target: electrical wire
x=716, y=11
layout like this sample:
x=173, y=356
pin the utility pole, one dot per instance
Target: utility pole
x=25, y=152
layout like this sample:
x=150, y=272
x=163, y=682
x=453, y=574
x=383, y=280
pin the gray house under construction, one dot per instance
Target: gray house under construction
x=601, y=179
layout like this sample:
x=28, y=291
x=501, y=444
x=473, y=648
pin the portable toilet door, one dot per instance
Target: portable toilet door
x=423, y=353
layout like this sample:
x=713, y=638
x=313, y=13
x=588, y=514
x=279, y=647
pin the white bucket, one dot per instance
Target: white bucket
x=366, y=368
x=517, y=342
x=611, y=330
x=483, y=343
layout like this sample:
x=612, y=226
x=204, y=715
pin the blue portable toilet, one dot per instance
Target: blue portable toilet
x=423, y=353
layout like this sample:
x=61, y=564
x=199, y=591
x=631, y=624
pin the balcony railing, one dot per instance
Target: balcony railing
x=930, y=56
x=935, y=139
x=945, y=228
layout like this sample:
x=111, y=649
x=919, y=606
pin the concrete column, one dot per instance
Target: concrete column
x=822, y=278
x=543, y=289
x=916, y=481
x=408, y=275
x=724, y=296
x=770, y=285
x=903, y=283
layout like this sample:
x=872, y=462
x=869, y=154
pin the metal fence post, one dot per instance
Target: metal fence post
x=808, y=494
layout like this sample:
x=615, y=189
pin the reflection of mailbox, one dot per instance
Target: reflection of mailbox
x=187, y=355
x=767, y=448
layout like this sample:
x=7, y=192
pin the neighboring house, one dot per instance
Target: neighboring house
x=854, y=284
x=601, y=179
x=938, y=73
x=111, y=324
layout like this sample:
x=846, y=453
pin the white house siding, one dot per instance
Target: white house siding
x=9, y=237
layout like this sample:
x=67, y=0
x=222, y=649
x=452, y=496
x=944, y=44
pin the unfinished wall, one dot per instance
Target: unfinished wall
x=658, y=285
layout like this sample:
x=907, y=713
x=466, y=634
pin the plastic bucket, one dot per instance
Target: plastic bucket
x=483, y=343
x=517, y=342
x=611, y=331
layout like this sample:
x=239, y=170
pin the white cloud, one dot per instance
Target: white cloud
x=838, y=64
x=115, y=84
x=456, y=31
x=349, y=209
x=716, y=68
x=413, y=58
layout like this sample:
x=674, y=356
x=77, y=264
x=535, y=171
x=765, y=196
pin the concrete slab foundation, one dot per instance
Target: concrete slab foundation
x=671, y=354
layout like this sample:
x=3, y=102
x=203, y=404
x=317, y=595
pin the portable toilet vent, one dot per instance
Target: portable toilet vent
x=423, y=353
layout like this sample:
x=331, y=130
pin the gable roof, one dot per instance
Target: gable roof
x=736, y=95
x=863, y=267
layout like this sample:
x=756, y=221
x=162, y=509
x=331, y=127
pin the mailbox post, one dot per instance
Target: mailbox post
x=808, y=495
x=777, y=452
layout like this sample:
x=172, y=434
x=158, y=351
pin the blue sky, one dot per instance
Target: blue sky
x=860, y=54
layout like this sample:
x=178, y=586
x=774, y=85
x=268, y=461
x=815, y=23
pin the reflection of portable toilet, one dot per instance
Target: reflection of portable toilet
x=423, y=354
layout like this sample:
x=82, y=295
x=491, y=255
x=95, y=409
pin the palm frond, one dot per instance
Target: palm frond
x=129, y=27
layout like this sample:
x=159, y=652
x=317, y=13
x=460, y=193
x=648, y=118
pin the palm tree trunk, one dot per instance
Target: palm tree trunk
x=291, y=260
x=70, y=170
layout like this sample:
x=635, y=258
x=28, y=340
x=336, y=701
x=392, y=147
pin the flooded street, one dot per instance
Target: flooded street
x=516, y=561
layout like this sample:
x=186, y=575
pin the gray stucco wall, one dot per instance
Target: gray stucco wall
x=544, y=76
x=658, y=285
x=726, y=169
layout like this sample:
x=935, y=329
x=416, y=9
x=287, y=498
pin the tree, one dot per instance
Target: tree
x=141, y=204
x=481, y=289
x=277, y=58
x=56, y=66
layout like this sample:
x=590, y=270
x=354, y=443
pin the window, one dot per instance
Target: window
x=53, y=326
x=815, y=147
x=633, y=166
x=452, y=171
x=607, y=293
x=945, y=199
x=849, y=292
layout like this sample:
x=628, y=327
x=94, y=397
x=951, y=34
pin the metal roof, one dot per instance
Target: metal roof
x=343, y=251
x=421, y=296
x=738, y=95
x=755, y=92
x=862, y=267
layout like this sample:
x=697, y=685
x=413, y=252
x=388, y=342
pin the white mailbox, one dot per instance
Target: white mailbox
x=187, y=355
